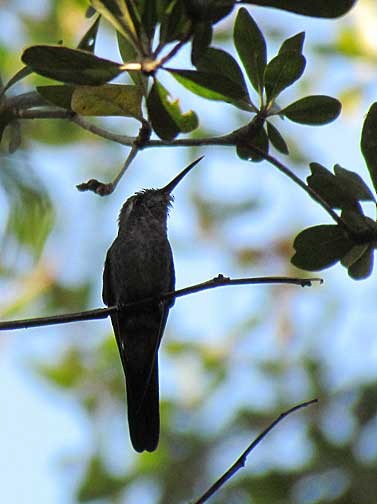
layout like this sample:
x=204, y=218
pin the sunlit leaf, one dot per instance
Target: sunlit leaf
x=314, y=110
x=167, y=119
x=107, y=100
x=70, y=65
x=251, y=47
x=61, y=95
x=213, y=86
x=282, y=71
x=123, y=16
x=369, y=142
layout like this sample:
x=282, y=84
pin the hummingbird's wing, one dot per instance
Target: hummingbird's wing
x=138, y=334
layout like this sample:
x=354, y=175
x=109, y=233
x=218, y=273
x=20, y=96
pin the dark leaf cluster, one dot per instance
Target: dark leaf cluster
x=352, y=241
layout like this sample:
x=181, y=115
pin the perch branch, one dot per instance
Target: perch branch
x=100, y=313
x=241, y=461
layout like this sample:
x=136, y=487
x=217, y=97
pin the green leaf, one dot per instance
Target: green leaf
x=314, y=110
x=128, y=54
x=219, y=61
x=70, y=65
x=61, y=96
x=208, y=10
x=319, y=247
x=201, y=40
x=354, y=254
x=213, y=86
x=331, y=188
x=354, y=184
x=67, y=373
x=174, y=23
x=369, y=142
x=295, y=43
x=251, y=47
x=98, y=483
x=88, y=42
x=107, y=100
x=276, y=139
x=282, y=71
x=21, y=74
x=317, y=8
x=363, y=267
x=360, y=224
x=260, y=140
x=122, y=16
x=165, y=114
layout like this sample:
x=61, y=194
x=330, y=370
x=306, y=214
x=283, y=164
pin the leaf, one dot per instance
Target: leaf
x=363, y=267
x=319, y=247
x=331, y=188
x=354, y=184
x=98, y=483
x=260, y=140
x=251, y=47
x=70, y=65
x=88, y=42
x=21, y=74
x=314, y=110
x=276, y=139
x=317, y=8
x=107, y=100
x=213, y=86
x=15, y=137
x=128, y=53
x=201, y=40
x=208, y=10
x=166, y=116
x=354, y=254
x=219, y=61
x=282, y=71
x=369, y=142
x=122, y=16
x=173, y=23
x=295, y=43
x=61, y=96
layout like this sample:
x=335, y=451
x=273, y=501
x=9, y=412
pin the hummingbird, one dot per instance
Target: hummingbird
x=139, y=265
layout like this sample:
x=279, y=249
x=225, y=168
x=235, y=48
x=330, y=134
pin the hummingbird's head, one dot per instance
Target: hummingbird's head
x=152, y=203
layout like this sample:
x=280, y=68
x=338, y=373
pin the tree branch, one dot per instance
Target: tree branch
x=100, y=313
x=241, y=461
x=29, y=100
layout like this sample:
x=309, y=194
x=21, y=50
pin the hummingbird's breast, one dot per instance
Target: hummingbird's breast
x=142, y=265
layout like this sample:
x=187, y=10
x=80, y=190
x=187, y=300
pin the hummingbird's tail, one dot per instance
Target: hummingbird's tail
x=143, y=409
x=138, y=338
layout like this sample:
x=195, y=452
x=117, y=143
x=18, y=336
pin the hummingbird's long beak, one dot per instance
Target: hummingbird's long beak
x=171, y=185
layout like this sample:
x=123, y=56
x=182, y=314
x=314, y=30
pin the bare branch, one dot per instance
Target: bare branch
x=104, y=189
x=241, y=461
x=100, y=313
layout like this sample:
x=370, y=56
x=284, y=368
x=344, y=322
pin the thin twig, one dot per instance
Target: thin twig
x=103, y=189
x=99, y=313
x=241, y=461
